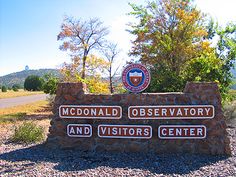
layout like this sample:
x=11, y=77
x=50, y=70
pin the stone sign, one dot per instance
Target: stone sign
x=188, y=122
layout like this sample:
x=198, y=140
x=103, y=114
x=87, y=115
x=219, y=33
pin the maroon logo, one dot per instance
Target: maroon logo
x=135, y=78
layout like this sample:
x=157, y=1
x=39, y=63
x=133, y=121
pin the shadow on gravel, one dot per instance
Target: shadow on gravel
x=68, y=160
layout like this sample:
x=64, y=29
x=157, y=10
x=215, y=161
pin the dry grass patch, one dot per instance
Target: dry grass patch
x=21, y=92
x=12, y=118
x=33, y=111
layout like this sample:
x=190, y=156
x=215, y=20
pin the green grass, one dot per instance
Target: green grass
x=28, y=132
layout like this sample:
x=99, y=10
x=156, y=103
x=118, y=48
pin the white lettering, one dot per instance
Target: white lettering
x=192, y=111
x=72, y=111
x=103, y=129
x=72, y=131
x=142, y=112
x=163, y=131
x=172, y=111
x=156, y=112
x=139, y=131
x=178, y=131
x=93, y=112
x=114, y=131
x=86, y=130
x=207, y=111
x=171, y=132
x=107, y=113
x=179, y=112
x=65, y=111
x=114, y=112
x=146, y=132
x=79, y=111
x=86, y=111
x=199, y=132
x=79, y=130
x=134, y=112
x=192, y=132
x=100, y=112
x=131, y=131
x=164, y=112
x=200, y=111
x=149, y=112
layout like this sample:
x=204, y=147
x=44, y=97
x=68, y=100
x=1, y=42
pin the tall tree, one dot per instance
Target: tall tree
x=225, y=49
x=111, y=52
x=80, y=38
x=169, y=32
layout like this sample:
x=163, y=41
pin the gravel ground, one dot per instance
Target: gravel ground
x=36, y=160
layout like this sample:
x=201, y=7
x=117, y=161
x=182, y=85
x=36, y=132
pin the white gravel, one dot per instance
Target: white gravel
x=37, y=160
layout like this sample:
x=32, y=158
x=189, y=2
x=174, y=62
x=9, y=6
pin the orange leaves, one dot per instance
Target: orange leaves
x=200, y=33
x=66, y=45
x=67, y=31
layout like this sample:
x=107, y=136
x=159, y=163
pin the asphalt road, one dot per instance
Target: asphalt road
x=9, y=102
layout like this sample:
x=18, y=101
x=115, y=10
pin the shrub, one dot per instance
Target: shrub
x=28, y=132
x=33, y=83
x=50, y=84
x=4, y=89
x=16, y=87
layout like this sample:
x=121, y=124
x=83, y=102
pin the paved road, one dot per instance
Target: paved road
x=9, y=102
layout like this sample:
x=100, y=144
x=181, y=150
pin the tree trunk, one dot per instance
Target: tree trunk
x=83, y=69
x=110, y=77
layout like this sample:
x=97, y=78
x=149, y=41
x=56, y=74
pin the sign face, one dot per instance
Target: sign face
x=79, y=130
x=125, y=131
x=135, y=78
x=90, y=112
x=172, y=112
x=182, y=132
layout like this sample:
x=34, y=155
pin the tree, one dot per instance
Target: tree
x=33, y=83
x=4, y=88
x=173, y=40
x=111, y=52
x=50, y=84
x=95, y=66
x=80, y=38
x=15, y=87
x=169, y=32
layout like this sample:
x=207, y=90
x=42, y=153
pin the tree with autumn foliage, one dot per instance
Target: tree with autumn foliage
x=173, y=40
x=111, y=52
x=80, y=38
x=95, y=67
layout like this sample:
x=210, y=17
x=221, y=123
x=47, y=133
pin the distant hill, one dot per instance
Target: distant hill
x=19, y=77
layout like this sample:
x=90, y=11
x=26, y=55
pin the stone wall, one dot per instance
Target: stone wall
x=216, y=141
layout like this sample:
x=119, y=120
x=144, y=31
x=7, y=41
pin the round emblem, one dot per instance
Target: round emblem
x=135, y=77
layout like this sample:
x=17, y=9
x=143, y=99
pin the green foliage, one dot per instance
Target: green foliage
x=173, y=40
x=164, y=80
x=4, y=88
x=50, y=84
x=16, y=87
x=28, y=132
x=33, y=83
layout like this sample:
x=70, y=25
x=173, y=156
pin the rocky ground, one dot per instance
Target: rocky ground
x=37, y=160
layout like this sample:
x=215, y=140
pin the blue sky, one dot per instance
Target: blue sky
x=29, y=28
